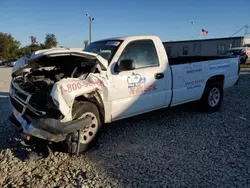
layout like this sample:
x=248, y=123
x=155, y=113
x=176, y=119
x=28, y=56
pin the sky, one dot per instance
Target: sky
x=170, y=20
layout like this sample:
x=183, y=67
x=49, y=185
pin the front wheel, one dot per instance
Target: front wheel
x=88, y=134
x=212, y=97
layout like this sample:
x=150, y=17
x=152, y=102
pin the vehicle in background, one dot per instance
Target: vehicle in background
x=243, y=52
x=9, y=63
x=65, y=95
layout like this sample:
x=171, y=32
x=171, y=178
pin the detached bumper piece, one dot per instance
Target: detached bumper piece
x=59, y=129
x=49, y=129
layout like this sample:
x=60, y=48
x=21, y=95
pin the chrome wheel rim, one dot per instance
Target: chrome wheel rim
x=214, y=97
x=88, y=133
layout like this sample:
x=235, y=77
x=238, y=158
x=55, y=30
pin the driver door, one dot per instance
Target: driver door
x=142, y=89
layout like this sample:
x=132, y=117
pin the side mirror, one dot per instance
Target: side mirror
x=126, y=64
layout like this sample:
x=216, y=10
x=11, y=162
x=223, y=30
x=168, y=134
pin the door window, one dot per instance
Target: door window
x=143, y=53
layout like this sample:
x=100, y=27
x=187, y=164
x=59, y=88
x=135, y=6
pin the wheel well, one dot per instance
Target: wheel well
x=93, y=99
x=217, y=79
x=214, y=79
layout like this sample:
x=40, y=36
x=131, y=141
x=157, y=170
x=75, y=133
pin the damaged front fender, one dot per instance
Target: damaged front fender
x=66, y=90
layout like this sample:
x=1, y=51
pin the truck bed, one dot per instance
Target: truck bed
x=192, y=59
x=190, y=75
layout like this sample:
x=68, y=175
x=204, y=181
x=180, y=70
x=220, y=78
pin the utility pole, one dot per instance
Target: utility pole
x=246, y=30
x=192, y=23
x=90, y=25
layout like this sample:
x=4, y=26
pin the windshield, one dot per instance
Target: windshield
x=106, y=48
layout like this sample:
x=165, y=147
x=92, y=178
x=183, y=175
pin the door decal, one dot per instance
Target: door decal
x=135, y=80
x=137, y=84
x=194, y=84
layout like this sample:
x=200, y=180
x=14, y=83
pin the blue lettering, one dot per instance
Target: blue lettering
x=223, y=66
x=195, y=70
x=193, y=87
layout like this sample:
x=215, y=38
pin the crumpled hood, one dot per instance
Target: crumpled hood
x=53, y=52
x=19, y=64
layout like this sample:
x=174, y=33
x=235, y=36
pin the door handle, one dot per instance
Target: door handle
x=159, y=75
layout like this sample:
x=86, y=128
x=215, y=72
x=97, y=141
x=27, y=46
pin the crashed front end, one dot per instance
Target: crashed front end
x=44, y=89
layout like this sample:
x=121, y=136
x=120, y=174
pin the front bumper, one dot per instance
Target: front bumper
x=33, y=122
x=47, y=128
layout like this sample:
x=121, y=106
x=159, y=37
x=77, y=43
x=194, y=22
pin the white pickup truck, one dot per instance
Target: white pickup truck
x=64, y=95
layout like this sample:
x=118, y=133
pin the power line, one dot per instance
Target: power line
x=84, y=23
x=245, y=26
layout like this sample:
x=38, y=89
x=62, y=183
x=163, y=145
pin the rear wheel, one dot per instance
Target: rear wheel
x=212, y=97
x=87, y=134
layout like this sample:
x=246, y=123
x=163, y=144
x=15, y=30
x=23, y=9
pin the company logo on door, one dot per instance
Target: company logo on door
x=135, y=80
x=137, y=84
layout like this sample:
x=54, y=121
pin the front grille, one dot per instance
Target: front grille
x=30, y=114
x=30, y=106
x=19, y=107
x=22, y=96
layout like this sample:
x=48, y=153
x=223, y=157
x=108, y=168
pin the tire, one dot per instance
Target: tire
x=212, y=97
x=87, y=135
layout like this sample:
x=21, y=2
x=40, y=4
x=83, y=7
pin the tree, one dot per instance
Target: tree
x=42, y=46
x=27, y=50
x=8, y=47
x=50, y=41
x=33, y=40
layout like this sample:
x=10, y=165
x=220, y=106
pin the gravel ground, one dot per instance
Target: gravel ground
x=178, y=147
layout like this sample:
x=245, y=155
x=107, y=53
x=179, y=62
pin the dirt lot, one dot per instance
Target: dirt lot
x=178, y=147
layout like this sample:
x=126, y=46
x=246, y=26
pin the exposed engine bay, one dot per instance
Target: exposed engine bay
x=53, y=69
x=47, y=86
x=44, y=72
